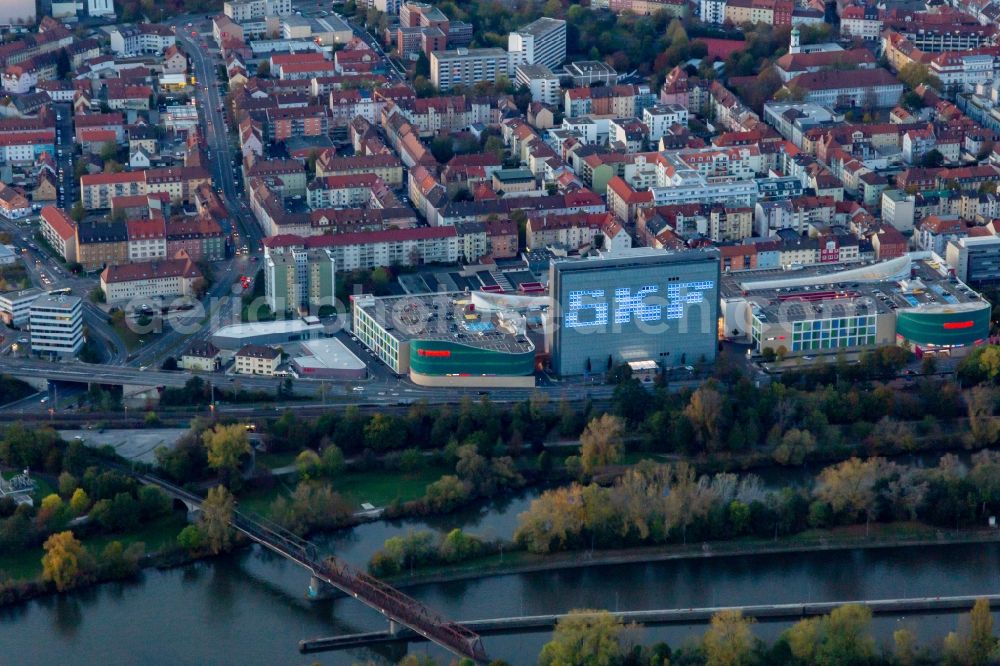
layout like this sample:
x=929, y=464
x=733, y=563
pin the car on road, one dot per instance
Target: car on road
x=44, y=400
x=358, y=389
x=808, y=358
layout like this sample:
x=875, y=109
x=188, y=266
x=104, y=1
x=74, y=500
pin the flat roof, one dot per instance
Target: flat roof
x=328, y=354
x=54, y=302
x=265, y=328
x=447, y=316
x=924, y=284
x=542, y=26
x=634, y=257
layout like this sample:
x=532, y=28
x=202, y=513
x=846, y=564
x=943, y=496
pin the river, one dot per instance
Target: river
x=250, y=608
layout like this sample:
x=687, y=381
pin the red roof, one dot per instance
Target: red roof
x=150, y=271
x=59, y=221
x=721, y=48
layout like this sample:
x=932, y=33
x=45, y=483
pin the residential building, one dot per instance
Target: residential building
x=299, y=279
x=56, y=324
x=541, y=42
x=59, y=231
x=201, y=356
x=159, y=279
x=543, y=84
x=257, y=360
x=467, y=66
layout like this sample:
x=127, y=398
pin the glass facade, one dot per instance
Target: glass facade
x=635, y=306
x=836, y=333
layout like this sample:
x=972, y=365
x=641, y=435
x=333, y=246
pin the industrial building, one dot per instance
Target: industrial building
x=328, y=359
x=914, y=301
x=471, y=339
x=629, y=305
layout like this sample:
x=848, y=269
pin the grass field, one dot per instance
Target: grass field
x=381, y=488
x=27, y=565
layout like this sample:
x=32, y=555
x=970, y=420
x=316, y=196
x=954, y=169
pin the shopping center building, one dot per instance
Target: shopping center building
x=468, y=339
x=914, y=301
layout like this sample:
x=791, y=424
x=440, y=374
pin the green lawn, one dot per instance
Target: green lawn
x=27, y=565
x=276, y=460
x=259, y=501
x=382, y=487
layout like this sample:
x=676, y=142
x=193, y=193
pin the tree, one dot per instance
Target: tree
x=264, y=69
x=932, y=159
x=225, y=446
x=384, y=432
x=65, y=562
x=584, y=637
x=423, y=66
x=441, y=148
x=846, y=637
x=191, y=539
x=601, y=442
x=80, y=502
x=109, y=151
x=308, y=464
x=915, y=74
x=974, y=644
x=495, y=145
x=705, y=411
x=905, y=647
x=77, y=212
x=333, y=460
x=729, y=641
x=216, y=515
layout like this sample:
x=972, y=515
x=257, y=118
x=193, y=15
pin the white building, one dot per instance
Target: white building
x=898, y=209
x=467, y=67
x=541, y=42
x=163, y=279
x=244, y=11
x=15, y=306
x=543, y=84
x=659, y=118
x=713, y=11
x=141, y=38
x=101, y=8
x=56, y=325
x=17, y=13
x=257, y=360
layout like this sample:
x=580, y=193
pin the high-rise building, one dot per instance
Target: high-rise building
x=467, y=67
x=541, y=42
x=638, y=304
x=56, y=324
x=299, y=280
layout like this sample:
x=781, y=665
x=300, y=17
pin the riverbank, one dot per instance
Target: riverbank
x=893, y=535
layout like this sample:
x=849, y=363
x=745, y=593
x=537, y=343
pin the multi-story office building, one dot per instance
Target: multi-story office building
x=541, y=42
x=56, y=325
x=15, y=306
x=633, y=305
x=299, y=279
x=467, y=67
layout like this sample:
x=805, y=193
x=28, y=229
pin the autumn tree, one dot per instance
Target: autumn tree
x=66, y=561
x=601, y=442
x=591, y=637
x=705, y=411
x=216, y=516
x=974, y=643
x=728, y=641
x=225, y=445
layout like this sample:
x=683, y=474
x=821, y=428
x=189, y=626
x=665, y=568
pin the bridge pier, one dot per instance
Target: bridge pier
x=393, y=628
x=319, y=589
